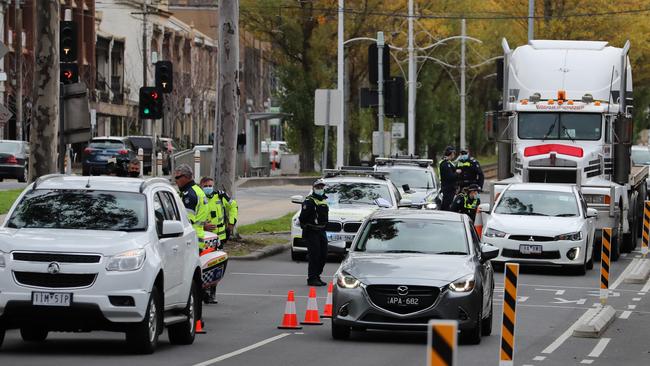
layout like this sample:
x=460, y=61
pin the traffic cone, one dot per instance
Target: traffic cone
x=478, y=224
x=311, y=316
x=199, y=327
x=290, y=319
x=327, y=311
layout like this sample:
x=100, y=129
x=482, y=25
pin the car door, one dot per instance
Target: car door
x=171, y=248
x=485, y=270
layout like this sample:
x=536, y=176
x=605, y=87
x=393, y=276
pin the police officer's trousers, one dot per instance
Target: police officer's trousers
x=317, y=252
x=447, y=198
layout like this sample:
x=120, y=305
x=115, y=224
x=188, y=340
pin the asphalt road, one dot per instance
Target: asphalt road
x=242, y=327
x=11, y=184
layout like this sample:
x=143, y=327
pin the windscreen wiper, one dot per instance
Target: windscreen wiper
x=565, y=215
x=550, y=128
x=566, y=132
x=402, y=251
x=452, y=252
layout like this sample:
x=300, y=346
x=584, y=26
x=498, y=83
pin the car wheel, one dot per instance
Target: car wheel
x=2, y=336
x=616, y=245
x=297, y=256
x=33, y=334
x=184, y=333
x=629, y=239
x=473, y=335
x=486, y=327
x=590, y=262
x=340, y=331
x=25, y=175
x=497, y=266
x=143, y=337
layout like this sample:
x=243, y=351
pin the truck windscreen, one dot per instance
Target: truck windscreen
x=559, y=126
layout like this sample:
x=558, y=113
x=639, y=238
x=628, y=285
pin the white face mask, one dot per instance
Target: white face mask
x=319, y=192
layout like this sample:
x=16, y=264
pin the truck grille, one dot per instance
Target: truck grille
x=552, y=176
x=381, y=296
x=59, y=280
x=56, y=257
x=351, y=227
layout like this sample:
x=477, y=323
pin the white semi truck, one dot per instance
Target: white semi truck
x=564, y=119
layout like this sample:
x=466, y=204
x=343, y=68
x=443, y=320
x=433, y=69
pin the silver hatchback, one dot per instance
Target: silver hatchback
x=408, y=266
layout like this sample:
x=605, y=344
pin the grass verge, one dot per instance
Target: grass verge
x=7, y=199
x=267, y=226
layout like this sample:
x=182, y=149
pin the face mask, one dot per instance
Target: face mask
x=208, y=190
x=463, y=157
x=134, y=174
x=319, y=192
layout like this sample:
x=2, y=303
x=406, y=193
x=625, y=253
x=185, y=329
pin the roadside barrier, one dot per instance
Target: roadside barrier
x=199, y=327
x=141, y=159
x=442, y=343
x=159, y=169
x=507, y=350
x=290, y=319
x=604, y=264
x=478, y=224
x=327, y=310
x=646, y=228
x=197, y=166
x=311, y=315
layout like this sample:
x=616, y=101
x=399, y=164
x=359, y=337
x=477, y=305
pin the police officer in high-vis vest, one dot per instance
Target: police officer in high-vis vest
x=467, y=201
x=313, y=219
x=471, y=172
x=223, y=210
x=194, y=200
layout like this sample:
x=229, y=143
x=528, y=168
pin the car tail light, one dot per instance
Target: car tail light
x=11, y=160
x=123, y=152
x=88, y=150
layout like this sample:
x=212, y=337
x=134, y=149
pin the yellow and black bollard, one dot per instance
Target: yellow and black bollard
x=442, y=343
x=604, y=264
x=507, y=350
x=646, y=228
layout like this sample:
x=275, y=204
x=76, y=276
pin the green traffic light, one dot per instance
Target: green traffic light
x=146, y=111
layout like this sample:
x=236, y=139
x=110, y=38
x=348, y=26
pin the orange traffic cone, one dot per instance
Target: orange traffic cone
x=290, y=319
x=199, y=327
x=311, y=316
x=327, y=311
x=478, y=223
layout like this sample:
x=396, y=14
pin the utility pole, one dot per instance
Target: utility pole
x=463, y=69
x=411, y=83
x=146, y=123
x=531, y=20
x=225, y=138
x=18, y=66
x=340, y=129
x=43, y=139
x=380, y=90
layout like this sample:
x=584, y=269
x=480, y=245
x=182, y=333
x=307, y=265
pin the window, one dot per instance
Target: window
x=169, y=205
x=537, y=203
x=356, y=193
x=415, y=178
x=159, y=212
x=560, y=126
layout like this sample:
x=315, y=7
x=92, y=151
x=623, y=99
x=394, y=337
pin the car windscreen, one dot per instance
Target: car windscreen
x=81, y=210
x=641, y=156
x=408, y=235
x=559, y=126
x=415, y=178
x=537, y=203
x=356, y=193
x=106, y=144
x=9, y=147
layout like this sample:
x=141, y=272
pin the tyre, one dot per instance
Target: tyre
x=590, y=263
x=184, y=333
x=497, y=266
x=616, y=246
x=630, y=239
x=473, y=335
x=143, y=337
x=24, y=176
x=340, y=331
x=297, y=256
x=33, y=334
x=2, y=336
x=486, y=327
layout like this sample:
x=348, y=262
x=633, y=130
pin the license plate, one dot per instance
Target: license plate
x=103, y=157
x=402, y=301
x=530, y=249
x=51, y=298
x=339, y=237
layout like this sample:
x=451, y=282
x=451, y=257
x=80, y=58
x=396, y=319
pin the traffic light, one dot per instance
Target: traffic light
x=164, y=76
x=69, y=73
x=394, y=97
x=68, y=41
x=373, y=60
x=151, y=103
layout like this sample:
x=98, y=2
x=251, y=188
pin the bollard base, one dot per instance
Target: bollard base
x=595, y=325
x=639, y=273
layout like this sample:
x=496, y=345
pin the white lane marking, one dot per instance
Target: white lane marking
x=646, y=287
x=559, y=300
x=626, y=314
x=587, y=362
x=640, y=293
x=600, y=347
x=557, y=291
x=539, y=358
x=243, y=350
x=637, y=256
x=636, y=299
x=571, y=287
x=522, y=298
x=564, y=336
x=624, y=255
x=631, y=307
x=623, y=275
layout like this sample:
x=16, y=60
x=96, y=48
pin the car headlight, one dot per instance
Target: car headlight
x=346, y=280
x=493, y=233
x=296, y=222
x=463, y=284
x=130, y=260
x=2, y=260
x=570, y=236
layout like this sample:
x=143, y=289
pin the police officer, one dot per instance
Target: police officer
x=223, y=210
x=194, y=199
x=133, y=170
x=313, y=219
x=448, y=177
x=471, y=172
x=467, y=201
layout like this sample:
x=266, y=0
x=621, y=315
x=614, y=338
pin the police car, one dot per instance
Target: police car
x=353, y=193
x=415, y=178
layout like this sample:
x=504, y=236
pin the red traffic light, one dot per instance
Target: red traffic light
x=154, y=95
x=67, y=74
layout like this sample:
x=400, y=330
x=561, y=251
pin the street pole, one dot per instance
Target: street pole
x=45, y=119
x=327, y=130
x=18, y=64
x=531, y=20
x=380, y=90
x=340, y=130
x=225, y=139
x=411, y=84
x=146, y=123
x=463, y=68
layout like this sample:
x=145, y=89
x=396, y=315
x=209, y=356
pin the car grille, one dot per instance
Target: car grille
x=333, y=226
x=56, y=257
x=59, y=280
x=379, y=295
x=527, y=238
x=351, y=227
x=511, y=253
x=376, y=318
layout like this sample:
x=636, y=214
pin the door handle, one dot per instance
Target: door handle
x=175, y=249
x=189, y=242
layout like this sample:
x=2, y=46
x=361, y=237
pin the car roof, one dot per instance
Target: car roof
x=355, y=179
x=541, y=187
x=100, y=183
x=396, y=166
x=417, y=214
x=99, y=138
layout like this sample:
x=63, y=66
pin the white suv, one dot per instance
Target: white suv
x=100, y=253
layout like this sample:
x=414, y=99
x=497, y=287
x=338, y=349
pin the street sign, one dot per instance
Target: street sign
x=375, y=143
x=398, y=130
x=323, y=99
x=3, y=49
x=5, y=114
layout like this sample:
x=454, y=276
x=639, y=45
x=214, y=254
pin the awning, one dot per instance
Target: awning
x=261, y=116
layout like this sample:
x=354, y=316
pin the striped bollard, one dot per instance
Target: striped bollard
x=509, y=319
x=604, y=264
x=646, y=228
x=442, y=342
x=141, y=159
x=197, y=166
x=159, y=171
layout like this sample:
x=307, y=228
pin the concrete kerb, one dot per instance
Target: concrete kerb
x=275, y=181
x=263, y=253
x=640, y=271
x=595, y=325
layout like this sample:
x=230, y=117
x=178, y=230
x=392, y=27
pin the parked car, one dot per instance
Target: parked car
x=415, y=178
x=408, y=266
x=542, y=224
x=101, y=150
x=146, y=144
x=14, y=160
x=90, y=253
x=168, y=147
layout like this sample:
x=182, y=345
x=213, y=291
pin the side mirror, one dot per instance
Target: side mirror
x=297, y=199
x=406, y=188
x=337, y=247
x=405, y=202
x=592, y=212
x=484, y=207
x=171, y=229
x=488, y=252
x=381, y=202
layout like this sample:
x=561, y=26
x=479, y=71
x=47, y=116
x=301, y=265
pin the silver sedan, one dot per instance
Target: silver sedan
x=408, y=266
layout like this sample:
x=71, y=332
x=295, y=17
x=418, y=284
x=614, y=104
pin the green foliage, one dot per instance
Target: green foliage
x=267, y=226
x=7, y=199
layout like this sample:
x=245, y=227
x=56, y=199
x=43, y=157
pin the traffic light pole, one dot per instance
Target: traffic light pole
x=380, y=90
x=62, y=149
x=18, y=59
